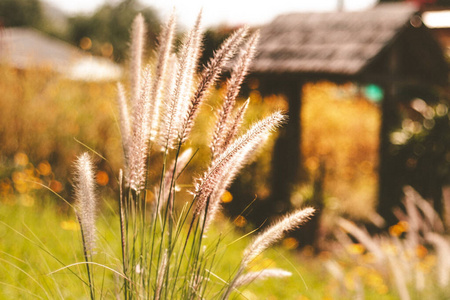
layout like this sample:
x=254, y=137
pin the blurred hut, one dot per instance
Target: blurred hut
x=387, y=45
x=27, y=48
x=437, y=19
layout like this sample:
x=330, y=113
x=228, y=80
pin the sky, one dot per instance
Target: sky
x=230, y=12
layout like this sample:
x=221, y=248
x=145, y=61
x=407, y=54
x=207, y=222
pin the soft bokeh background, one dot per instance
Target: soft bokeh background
x=48, y=116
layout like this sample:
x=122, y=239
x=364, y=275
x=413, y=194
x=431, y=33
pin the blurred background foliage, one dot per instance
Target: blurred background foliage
x=45, y=120
x=105, y=32
x=42, y=117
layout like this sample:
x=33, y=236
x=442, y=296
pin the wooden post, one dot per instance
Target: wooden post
x=389, y=170
x=287, y=153
x=286, y=157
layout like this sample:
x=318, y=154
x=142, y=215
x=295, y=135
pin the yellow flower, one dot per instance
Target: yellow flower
x=102, y=178
x=44, y=168
x=421, y=251
x=70, y=225
x=226, y=197
x=399, y=228
x=356, y=249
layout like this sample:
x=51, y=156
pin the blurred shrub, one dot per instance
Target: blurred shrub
x=421, y=144
x=43, y=114
x=340, y=130
x=106, y=31
x=46, y=121
x=340, y=136
x=20, y=13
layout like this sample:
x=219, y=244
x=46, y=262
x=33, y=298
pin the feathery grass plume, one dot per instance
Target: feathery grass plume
x=432, y=219
x=165, y=44
x=209, y=76
x=415, y=207
x=137, y=47
x=140, y=137
x=234, y=157
x=363, y=237
x=271, y=235
x=195, y=51
x=124, y=122
x=86, y=199
x=442, y=247
x=223, y=124
x=261, y=275
x=399, y=279
x=276, y=232
x=164, y=253
x=182, y=89
x=414, y=219
x=226, y=179
x=235, y=125
x=161, y=275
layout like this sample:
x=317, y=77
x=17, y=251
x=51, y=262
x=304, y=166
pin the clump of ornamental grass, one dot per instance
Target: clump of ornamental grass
x=164, y=252
x=412, y=259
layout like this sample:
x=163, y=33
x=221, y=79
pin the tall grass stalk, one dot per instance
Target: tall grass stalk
x=165, y=250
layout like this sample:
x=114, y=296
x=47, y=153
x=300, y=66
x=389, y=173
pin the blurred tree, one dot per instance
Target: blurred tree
x=20, y=13
x=422, y=147
x=213, y=38
x=106, y=32
x=422, y=3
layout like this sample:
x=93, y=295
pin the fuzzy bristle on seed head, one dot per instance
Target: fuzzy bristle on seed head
x=234, y=158
x=276, y=232
x=177, y=103
x=86, y=199
x=261, y=275
x=140, y=137
x=162, y=73
x=210, y=75
x=224, y=127
x=137, y=48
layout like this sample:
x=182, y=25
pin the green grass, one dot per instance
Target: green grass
x=40, y=239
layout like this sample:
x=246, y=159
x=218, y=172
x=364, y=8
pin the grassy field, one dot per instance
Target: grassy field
x=39, y=239
x=40, y=248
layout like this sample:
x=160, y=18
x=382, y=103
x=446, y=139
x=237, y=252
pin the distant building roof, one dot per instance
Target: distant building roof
x=26, y=48
x=330, y=43
x=437, y=19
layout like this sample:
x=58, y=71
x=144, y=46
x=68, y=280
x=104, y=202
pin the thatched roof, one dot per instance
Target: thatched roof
x=330, y=43
x=27, y=48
